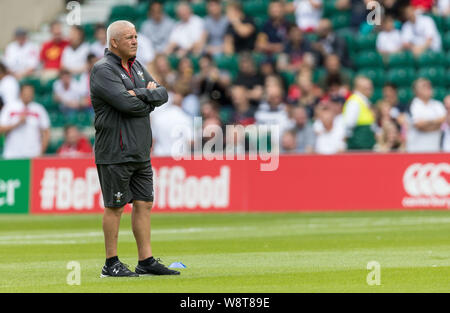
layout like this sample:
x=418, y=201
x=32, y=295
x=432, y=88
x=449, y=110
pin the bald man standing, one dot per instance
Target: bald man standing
x=123, y=94
x=359, y=117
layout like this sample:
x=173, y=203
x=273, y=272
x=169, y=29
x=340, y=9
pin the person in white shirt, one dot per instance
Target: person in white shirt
x=9, y=87
x=26, y=125
x=330, y=133
x=419, y=32
x=145, y=53
x=75, y=54
x=21, y=56
x=307, y=13
x=98, y=47
x=272, y=112
x=389, y=39
x=187, y=34
x=427, y=117
x=67, y=92
x=174, y=138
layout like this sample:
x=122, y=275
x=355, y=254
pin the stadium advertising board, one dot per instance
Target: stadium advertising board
x=14, y=186
x=347, y=182
x=72, y=186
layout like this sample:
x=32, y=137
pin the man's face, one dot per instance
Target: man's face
x=324, y=28
x=184, y=12
x=156, y=12
x=276, y=10
x=72, y=135
x=214, y=8
x=75, y=37
x=300, y=116
x=56, y=32
x=126, y=43
x=424, y=90
x=100, y=34
x=332, y=64
x=27, y=94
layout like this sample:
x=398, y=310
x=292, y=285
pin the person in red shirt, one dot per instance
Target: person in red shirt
x=75, y=144
x=52, y=51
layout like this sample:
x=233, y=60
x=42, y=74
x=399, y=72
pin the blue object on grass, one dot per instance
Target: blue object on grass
x=177, y=265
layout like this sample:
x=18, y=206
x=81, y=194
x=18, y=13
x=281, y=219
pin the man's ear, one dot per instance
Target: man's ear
x=114, y=43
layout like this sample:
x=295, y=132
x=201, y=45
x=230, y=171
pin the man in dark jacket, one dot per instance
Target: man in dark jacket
x=123, y=94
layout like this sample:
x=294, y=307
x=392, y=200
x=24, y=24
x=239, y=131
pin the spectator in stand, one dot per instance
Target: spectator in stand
x=52, y=51
x=329, y=43
x=66, y=92
x=243, y=113
x=446, y=126
x=307, y=13
x=241, y=32
x=212, y=141
x=358, y=116
x=185, y=75
x=74, y=55
x=9, y=87
x=389, y=39
x=83, y=83
x=158, y=27
x=390, y=95
x=303, y=129
x=75, y=144
x=211, y=82
x=170, y=140
x=145, y=53
x=250, y=77
x=98, y=47
x=389, y=138
x=394, y=8
x=289, y=142
x=419, y=33
x=297, y=52
x=388, y=134
x=427, y=117
x=186, y=36
x=162, y=72
x=358, y=10
x=26, y=125
x=443, y=7
x=216, y=25
x=209, y=109
x=333, y=73
x=21, y=56
x=274, y=32
x=273, y=112
x=304, y=93
x=329, y=130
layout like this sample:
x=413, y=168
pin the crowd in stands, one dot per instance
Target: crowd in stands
x=294, y=66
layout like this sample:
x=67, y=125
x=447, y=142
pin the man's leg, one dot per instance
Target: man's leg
x=140, y=221
x=111, y=222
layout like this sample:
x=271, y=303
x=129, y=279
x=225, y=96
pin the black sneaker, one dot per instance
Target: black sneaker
x=118, y=269
x=155, y=268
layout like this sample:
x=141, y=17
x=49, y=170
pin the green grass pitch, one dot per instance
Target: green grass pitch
x=285, y=252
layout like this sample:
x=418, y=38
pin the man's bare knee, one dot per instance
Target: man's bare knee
x=142, y=205
x=115, y=211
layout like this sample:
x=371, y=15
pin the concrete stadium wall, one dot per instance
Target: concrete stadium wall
x=30, y=14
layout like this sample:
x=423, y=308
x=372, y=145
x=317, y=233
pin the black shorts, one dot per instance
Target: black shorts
x=125, y=182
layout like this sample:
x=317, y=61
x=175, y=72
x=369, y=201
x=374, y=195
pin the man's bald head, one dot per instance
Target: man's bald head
x=364, y=85
x=121, y=38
